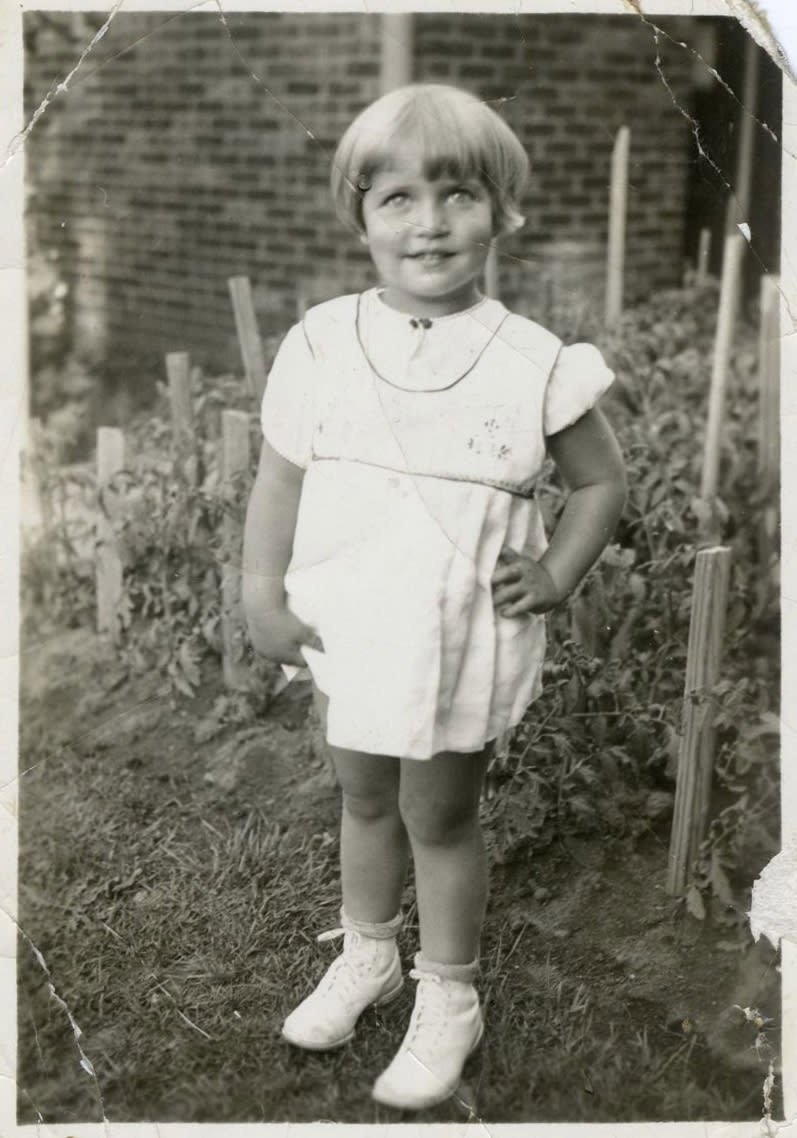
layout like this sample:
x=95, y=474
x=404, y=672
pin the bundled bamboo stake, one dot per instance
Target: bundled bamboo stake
x=729, y=295
x=108, y=565
x=178, y=370
x=618, y=199
x=703, y=255
x=696, y=757
x=248, y=335
x=235, y=461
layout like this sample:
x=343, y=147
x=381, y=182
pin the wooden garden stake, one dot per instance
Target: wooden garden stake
x=235, y=461
x=703, y=255
x=396, y=50
x=696, y=756
x=738, y=208
x=618, y=199
x=248, y=336
x=178, y=370
x=768, y=375
x=35, y=511
x=768, y=414
x=729, y=295
x=108, y=565
x=491, y=285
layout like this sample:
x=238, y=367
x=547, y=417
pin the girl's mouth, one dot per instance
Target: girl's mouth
x=431, y=257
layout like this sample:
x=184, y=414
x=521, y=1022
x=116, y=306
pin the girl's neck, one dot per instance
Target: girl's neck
x=431, y=307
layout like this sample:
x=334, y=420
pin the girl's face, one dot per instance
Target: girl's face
x=428, y=238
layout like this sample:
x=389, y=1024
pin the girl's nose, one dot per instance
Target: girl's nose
x=432, y=215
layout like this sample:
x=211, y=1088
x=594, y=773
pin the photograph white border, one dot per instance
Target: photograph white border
x=13, y=390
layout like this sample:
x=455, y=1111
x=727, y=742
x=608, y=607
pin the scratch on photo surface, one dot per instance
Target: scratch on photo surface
x=299, y=122
x=39, y=1116
x=77, y=1032
x=635, y=6
x=715, y=75
x=61, y=86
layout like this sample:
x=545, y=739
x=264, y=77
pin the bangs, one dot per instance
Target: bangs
x=447, y=132
x=443, y=142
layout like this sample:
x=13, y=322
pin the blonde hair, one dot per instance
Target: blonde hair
x=454, y=132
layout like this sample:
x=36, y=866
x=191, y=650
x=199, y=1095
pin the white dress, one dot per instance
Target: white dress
x=421, y=447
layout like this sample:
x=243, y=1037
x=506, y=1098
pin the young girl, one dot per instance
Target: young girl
x=394, y=545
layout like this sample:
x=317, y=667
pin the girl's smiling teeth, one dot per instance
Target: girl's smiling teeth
x=430, y=256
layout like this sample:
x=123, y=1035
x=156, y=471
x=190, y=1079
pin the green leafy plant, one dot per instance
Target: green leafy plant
x=598, y=752
x=170, y=539
x=606, y=732
x=57, y=572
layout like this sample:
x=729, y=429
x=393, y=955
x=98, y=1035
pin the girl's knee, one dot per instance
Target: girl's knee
x=369, y=784
x=435, y=821
x=439, y=799
x=370, y=806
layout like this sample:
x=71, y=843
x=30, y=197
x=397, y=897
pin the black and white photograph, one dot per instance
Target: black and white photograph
x=400, y=514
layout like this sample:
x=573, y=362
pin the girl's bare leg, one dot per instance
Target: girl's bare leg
x=373, y=842
x=439, y=804
x=374, y=849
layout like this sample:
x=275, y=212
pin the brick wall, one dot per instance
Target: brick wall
x=167, y=167
x=574, y=82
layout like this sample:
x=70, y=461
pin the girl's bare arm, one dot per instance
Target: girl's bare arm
x=589, y=459
x=268, y=543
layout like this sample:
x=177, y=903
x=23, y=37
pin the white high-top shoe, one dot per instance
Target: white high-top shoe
x=446, y=1026
x=368, y=971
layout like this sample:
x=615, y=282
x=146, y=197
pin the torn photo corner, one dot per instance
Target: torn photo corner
x=773, y=912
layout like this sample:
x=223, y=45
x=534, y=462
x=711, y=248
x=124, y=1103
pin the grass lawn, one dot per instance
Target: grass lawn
x=171, y=890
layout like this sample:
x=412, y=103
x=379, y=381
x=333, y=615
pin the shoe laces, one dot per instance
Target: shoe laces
x=330, y=934
x=347, y=969
x=340, y=979
x=429, y=1013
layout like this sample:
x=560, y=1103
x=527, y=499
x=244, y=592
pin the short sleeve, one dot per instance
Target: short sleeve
x=579, y=378
x=286, y=413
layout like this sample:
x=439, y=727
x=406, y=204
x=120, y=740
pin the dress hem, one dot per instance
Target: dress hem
x=513, y=722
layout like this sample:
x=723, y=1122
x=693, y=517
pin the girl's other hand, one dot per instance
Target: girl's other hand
x=278, y=635
x=522, y=585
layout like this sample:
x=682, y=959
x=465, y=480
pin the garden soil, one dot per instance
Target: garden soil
x=590, y=912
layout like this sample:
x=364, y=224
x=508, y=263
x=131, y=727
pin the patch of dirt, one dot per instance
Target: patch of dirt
x=593, y=910
x=607, y=922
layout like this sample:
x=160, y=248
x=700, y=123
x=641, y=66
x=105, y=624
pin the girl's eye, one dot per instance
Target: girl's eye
x=397, y=198
x=462, y=193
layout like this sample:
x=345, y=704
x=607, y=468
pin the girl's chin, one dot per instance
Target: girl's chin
x=433, y=294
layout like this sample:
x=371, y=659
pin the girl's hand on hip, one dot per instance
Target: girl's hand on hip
x=278, y=635
x=522, y=585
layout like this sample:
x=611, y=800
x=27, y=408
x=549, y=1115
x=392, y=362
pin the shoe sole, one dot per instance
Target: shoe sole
x=387, y=998
x=437, y=1098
